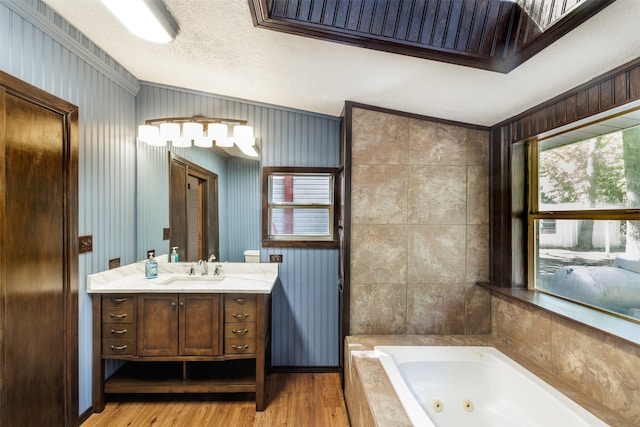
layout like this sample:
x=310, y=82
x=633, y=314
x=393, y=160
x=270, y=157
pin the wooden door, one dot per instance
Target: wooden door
x=38, y=257
x=207, y=217
x=158, y=325
x=200, y=325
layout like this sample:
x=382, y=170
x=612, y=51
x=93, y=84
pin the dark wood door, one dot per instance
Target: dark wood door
x=200, y=319
x=158, y=325
x=38, y=258
x=179, y=207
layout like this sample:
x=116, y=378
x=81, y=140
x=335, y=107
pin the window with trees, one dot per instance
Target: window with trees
x=584, y=220
x=298, y=208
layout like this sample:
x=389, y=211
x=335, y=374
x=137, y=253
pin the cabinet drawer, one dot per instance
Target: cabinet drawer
x=115, y=315
x=119, y=331
x=234, y=315
x=240, y=330
x=239, y=301
x=124, y=302
x=118, y=309
x=118, y=347
x=239, y=346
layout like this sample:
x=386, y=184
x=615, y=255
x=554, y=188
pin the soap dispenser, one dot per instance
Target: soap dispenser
x=151, y=268
x=174, y=254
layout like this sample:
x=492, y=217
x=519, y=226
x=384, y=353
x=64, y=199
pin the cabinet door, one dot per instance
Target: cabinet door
x=158, y=325
x=200, y=319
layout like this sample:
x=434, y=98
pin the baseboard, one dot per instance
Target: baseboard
x=305, y=369
x=86, y=414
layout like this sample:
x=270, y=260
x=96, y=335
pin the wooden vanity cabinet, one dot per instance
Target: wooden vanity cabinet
x=182, y=343
x=179, y=325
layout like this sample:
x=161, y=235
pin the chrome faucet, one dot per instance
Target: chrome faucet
x=205, y=267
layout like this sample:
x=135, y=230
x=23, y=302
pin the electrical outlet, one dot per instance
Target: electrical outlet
x=151, y=252
x=85, y=244
x=166, y=233
x=275, y=258
x=114, y=263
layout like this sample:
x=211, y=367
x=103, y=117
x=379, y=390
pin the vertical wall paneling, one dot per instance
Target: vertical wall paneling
x=40, y=48
x=305, y=302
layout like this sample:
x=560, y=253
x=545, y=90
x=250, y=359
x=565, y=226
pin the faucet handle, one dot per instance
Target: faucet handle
x=212, y=258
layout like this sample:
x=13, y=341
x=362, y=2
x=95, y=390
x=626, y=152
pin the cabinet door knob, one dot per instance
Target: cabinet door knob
x=118, y=316
x=240, y=331
x=240, y=316
x=181, y=304
x=173, y=304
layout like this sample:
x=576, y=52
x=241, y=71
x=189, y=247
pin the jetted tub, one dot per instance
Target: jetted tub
x=475, y=386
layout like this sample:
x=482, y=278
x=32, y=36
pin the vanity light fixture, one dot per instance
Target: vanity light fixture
x=150, y=20
x=199, y=131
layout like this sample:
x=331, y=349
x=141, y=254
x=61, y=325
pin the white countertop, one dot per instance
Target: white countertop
x=255, y=278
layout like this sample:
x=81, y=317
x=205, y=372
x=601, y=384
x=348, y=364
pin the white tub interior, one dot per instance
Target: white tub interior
x=446, y=386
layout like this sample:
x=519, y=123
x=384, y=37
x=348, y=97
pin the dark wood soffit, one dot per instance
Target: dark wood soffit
x=610, y=90
x=495, y=35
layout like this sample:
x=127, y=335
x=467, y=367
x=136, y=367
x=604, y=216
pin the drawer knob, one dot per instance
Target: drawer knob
x=240, y=331
x=240, y=347
x=240, y=300
x=118, y=316
x=118, y=347
x=119, y=332
x=240, y=315
x=118, y=300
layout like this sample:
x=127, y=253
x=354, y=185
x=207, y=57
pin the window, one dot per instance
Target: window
x=298, y=207
x=584, y=220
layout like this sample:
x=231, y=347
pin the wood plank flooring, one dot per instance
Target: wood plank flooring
x=294, y=399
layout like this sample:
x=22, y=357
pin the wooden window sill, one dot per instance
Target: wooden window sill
x=602, y=322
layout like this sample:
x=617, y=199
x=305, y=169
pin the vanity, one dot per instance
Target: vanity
x=181, y=332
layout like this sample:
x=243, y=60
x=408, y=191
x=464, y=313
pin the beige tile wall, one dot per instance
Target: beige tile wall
x=603, y=367
x=419, y=239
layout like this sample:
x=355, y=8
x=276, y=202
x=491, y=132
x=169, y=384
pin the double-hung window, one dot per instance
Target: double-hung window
x=299, y=207
x=584, y=220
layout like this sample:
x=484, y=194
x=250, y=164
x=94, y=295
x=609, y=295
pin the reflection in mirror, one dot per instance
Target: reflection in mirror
x=193, y=210
x=238, y=195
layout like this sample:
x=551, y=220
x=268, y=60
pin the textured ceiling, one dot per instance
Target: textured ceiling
x=220, y=51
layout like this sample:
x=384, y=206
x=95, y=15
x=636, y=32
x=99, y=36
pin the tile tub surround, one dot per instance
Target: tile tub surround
x=372, y=401
x=602, y=366
x=419, y=231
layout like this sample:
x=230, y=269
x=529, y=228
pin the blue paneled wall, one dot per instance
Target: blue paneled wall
x=46, y=52
x=41, y=48
x=305, y=304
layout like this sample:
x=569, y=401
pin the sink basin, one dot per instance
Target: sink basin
x=186, y=279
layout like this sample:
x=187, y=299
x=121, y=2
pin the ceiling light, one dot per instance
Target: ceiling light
x=148, y=19
x=181, y=131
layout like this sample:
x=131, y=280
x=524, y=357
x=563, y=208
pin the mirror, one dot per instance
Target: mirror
x=239, y=203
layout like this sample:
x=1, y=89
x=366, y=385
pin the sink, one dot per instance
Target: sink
x=196, y=279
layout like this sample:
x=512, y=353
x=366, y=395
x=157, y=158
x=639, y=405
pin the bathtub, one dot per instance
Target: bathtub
x=475, y=386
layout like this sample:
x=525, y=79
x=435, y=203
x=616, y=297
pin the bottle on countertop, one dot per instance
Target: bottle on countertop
x=174, y=254
x=151, y=268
